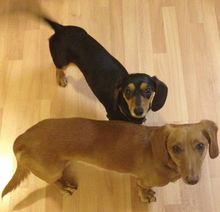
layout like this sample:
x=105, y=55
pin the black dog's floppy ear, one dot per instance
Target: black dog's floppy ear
x=117, y=90
x=160, y=95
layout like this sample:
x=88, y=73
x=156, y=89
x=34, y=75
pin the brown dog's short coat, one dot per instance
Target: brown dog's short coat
x=156, y=155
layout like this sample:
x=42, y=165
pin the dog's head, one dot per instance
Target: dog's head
x=136, y=94
x=183, y=148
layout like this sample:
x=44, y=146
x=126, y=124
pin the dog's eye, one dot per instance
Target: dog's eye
x=128, y=93
x=200, y=147
x=147, y=90
x=176, y=149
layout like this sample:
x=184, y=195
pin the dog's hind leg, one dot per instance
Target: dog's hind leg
x=64, y=187
x=60, y=57
x=61, y=77
x=55, y=178
x=53, y=174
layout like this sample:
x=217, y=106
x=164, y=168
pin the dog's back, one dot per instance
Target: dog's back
x=76, y=138
x=72, y=44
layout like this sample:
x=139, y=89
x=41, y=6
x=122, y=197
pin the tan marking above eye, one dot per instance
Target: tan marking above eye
x=143, y=86
x=131, y=86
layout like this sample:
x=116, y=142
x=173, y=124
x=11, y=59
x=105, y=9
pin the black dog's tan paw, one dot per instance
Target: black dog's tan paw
x=147, y=195
x=61, y=77
x=62, y=81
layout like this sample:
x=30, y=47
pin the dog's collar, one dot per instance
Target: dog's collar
x=137, y=120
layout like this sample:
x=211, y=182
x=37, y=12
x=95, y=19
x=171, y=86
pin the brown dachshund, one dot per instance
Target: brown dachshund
x=156, y=155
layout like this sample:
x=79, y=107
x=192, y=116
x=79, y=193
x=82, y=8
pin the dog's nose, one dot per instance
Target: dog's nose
x=192, y=180
x=138, y=111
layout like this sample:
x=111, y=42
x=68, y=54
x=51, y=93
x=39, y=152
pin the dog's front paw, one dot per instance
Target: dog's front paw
x=147, y=195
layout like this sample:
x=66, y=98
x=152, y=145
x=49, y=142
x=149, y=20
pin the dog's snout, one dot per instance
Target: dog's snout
x=192, y=180
x=138, y=111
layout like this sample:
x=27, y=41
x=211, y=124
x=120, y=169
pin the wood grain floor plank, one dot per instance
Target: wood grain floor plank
x=178, y=41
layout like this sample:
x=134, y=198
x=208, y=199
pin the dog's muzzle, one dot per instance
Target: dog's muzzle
x=192, y=180
x=138, y=111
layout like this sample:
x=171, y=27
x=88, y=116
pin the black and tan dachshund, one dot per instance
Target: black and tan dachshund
x=125, y=96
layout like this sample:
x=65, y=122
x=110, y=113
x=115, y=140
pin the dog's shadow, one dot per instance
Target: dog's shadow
x=49, y=193
x=78, y=82
x=30, y=199
x=53, y=198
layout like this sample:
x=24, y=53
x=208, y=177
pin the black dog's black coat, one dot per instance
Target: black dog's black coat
x=104, y=74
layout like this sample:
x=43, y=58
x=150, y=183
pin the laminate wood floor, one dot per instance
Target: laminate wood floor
x=176, y=40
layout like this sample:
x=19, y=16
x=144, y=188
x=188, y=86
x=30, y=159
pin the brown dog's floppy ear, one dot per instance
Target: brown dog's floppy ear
x=210, y=132
x=160, y=95
x=159, y=143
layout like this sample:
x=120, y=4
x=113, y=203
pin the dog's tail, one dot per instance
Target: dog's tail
x=20, y=174
x=33, y=8
x=42, y=15
x=57, y=27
